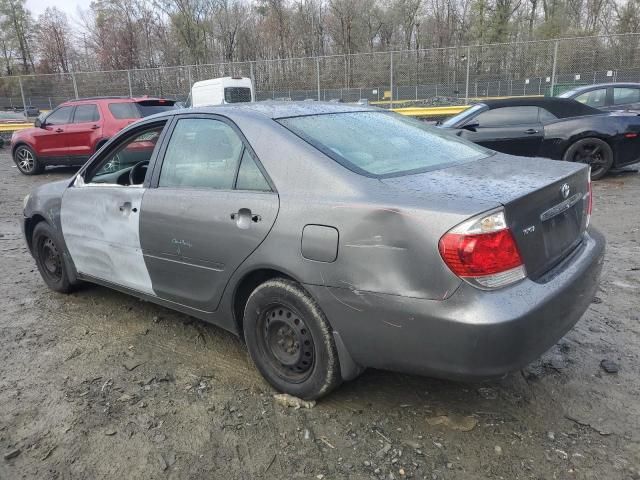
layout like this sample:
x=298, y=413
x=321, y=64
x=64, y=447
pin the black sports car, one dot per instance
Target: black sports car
x=557, y=128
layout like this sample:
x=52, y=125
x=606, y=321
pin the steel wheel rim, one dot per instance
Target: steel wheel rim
x=26, y=161
x=288, y=343
x=50, y=259
x=591, y=154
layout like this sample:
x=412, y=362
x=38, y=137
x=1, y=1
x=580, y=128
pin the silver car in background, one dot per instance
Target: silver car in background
x=331, y=237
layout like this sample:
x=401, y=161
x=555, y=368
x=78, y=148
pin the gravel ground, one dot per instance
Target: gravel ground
x=98, y=384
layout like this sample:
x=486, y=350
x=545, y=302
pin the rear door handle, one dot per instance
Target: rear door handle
x=95, y=127
x=244, y=217
x=59, y=130
x=531, y=131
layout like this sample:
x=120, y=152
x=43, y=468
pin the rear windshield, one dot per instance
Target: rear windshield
x=237, y=94
x=128, y=110
x=381, y=143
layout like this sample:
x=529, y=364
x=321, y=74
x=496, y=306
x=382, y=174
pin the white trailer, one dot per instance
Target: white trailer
x=219, y=91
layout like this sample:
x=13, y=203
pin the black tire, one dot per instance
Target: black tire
x=49, y=259
x=290, y=340
x=594, y=152
x=27, y=161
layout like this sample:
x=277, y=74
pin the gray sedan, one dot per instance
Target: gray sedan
x=331, y=237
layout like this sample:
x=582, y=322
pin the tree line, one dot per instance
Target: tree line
x=125, y=34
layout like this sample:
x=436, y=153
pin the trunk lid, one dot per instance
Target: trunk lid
x=545, y=201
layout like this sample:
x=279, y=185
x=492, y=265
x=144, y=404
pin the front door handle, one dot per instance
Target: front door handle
x=95, y=127
x=531, y=131
x=126, y=208
x=59, y=130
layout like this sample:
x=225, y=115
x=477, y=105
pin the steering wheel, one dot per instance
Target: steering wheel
x=138, y=172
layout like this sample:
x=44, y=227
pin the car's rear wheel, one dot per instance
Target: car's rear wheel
x=48, y=255
x=290, y=340
x=27, y=161
x=594, y=152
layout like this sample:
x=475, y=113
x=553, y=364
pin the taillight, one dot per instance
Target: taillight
x=589, y=199
x=483, y=252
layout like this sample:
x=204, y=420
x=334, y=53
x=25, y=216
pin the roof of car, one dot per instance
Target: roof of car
x=121, y=99
x=560, y=107
x=282, y=109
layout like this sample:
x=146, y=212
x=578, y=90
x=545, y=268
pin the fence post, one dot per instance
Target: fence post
x=129, y=82
x=466, y=89
x=318, y=75
x=75, y=85
x=251, y=74
x=24, y=103
x=553, y=70
x=391, y=80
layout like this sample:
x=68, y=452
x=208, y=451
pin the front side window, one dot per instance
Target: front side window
x=60, y=116
x=202, y=153
x=594, y=98
x=505, y=116
x=86, y=114
x=382, y=144
x=137, y=149
x=623, y=96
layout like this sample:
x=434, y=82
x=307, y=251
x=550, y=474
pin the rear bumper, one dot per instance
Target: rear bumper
x=473, y=333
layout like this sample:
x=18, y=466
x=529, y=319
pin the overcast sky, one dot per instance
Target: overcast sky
x=68, y=6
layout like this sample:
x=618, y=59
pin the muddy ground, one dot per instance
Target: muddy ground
x=98, y=384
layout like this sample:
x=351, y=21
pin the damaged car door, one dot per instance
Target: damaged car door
x=211, y=206
x=100, y=213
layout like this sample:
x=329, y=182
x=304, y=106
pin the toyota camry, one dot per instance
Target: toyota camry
x=331, y=237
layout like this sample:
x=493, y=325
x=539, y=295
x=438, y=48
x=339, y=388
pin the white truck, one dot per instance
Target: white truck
x=219, y=91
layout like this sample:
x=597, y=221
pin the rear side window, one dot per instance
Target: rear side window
x=237, y=94
x=123, y=111
x=594, y=98
x=202, y=153
x=546, y=116
x=86, y=114
x=500, y=117
x=60, y=116
x=625, y=95
x=249, y=176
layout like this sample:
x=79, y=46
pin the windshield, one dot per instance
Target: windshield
x=382, y=143
x=452, y=121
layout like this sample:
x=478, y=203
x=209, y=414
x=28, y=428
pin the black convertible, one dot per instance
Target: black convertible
x=557, y=128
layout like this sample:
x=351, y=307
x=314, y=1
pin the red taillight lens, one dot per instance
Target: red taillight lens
x=480, y=254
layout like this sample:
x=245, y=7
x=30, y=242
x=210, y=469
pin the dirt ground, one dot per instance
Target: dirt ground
x=98, y=384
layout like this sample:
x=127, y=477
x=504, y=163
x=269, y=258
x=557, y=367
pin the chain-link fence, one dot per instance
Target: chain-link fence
x=426, y=77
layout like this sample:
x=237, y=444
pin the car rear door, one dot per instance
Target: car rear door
x=100, y=212
x=211, y=207
x=51, y=140
x=84, y=131
x=515, y=130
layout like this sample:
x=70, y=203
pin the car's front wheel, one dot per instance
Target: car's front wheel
x=27, y=161
x=48, y=255
x=290, y=340
x=594, y=152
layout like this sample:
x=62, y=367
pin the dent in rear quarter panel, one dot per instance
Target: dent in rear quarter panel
x=388, y=240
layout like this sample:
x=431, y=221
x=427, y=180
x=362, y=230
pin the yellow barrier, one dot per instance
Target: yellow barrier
x=12, y=127
x=431, y=111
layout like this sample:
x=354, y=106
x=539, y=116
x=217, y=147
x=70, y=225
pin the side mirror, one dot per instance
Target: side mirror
x=471, y=126
x=38, y=123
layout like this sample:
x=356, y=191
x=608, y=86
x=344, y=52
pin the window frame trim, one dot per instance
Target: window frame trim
x=246, y=146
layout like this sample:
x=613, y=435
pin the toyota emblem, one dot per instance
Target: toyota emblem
x=565, y=190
